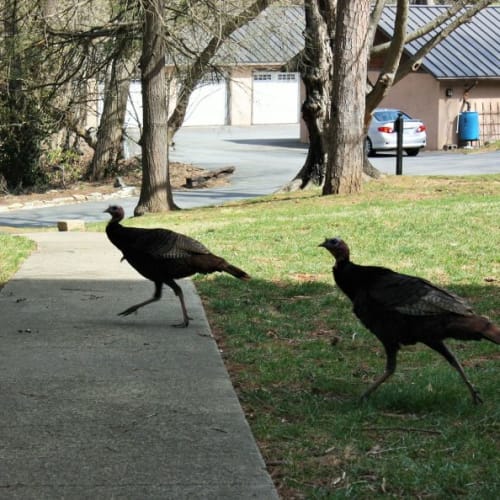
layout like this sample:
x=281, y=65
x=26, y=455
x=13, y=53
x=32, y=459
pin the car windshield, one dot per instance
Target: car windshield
x=389, y=115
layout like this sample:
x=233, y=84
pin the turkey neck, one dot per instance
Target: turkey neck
x=115, y=230
x=343, y=271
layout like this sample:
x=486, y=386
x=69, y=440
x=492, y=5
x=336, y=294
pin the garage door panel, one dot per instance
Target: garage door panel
x=207, y=105
x=275, y=98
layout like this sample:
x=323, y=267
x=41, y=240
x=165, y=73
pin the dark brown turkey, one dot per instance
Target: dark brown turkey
x=403, y=310
x=163, y=256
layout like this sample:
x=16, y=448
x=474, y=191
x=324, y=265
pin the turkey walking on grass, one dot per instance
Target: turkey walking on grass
x=163, y=256
x=403, y=310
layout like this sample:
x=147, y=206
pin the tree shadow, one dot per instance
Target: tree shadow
x=279, y=143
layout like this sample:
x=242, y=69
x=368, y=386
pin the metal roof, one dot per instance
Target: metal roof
x=470, y=51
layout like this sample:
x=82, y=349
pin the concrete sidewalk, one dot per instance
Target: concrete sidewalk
x=98, y=406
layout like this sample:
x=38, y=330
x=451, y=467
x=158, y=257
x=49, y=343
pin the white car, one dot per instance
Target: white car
x=382, y=135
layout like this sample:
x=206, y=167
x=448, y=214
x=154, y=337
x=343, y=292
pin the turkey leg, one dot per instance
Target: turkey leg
x=390, y=368
x=156, y=297
x=178, y=291
x=448, y=355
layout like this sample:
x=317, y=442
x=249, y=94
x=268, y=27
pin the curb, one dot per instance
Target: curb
x=65, y=200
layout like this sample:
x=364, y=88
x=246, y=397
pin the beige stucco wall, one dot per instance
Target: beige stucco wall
x=417, y=95
x=421, y=96
x=448, y=110
x=484, y=98
x=240, y=103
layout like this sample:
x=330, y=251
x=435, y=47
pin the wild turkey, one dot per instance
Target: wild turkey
x=162, y=256
x=403, y=310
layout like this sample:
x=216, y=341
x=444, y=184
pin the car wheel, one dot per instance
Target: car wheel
x=369, y=148
x=412, y=151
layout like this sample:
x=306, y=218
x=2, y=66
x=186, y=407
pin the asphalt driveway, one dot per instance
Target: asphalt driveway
x=266, y=157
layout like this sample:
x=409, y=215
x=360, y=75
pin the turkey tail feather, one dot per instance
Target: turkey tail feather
x=236, y=272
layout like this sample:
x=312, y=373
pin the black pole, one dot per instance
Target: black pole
x=399, y=127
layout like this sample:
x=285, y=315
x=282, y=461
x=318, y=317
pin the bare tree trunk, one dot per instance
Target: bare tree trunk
x=156, y=192
x=316, y=75
x=108, y=148
x=347, y=125
x=11, y=57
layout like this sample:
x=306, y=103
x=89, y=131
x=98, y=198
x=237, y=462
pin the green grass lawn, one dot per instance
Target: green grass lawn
x=299, y=359
x=13, y=251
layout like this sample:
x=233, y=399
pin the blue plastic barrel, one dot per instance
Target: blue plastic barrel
x=468, y=126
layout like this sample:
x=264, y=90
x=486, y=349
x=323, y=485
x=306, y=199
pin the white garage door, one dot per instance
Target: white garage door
x=275, y=97
x=207, y=104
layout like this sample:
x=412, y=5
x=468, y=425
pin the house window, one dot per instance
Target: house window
x=287, y=77
x=262, y=76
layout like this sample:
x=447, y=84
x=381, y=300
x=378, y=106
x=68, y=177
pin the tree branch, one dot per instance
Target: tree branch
x=392, y=60
x=380, y=49
x=375, y=15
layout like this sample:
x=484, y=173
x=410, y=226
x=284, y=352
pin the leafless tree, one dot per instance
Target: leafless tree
x=313, y=172
x=156, y=192
x=317, y=74
x=109, y=139
x=96, y=40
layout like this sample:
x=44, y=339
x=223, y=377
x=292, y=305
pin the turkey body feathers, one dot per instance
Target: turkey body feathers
x=402, y=310
x=162, y=256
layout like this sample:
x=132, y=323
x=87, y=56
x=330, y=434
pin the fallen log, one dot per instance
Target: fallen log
x=201, y=180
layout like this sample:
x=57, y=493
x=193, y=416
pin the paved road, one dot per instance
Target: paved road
x=265, y=157
x=441, y=163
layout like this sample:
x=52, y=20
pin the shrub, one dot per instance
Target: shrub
x=23, y=127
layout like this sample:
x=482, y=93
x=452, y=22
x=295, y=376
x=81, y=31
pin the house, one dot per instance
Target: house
x=461, y=73
x=252, y=86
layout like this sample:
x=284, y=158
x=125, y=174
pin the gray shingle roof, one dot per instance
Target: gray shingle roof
x=470, y=51
x=273, y=37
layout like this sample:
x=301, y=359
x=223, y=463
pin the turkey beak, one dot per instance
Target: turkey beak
x=323, y=244
x=106, y=211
